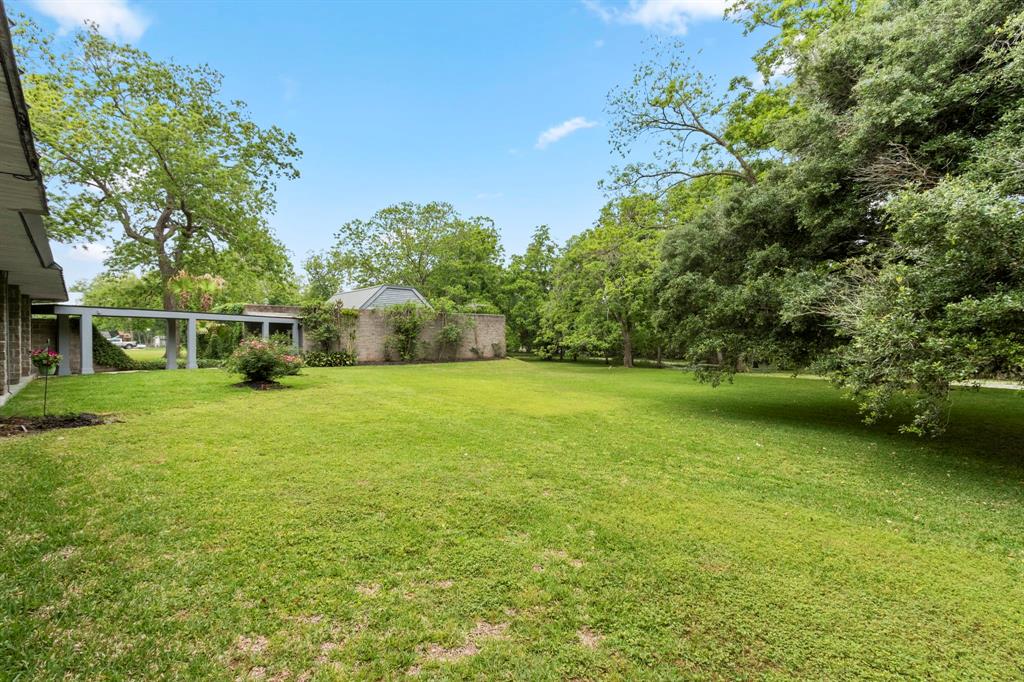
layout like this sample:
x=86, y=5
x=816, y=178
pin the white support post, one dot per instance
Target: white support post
x=85, y=332
x=191, y=363
x=265, y=331
x=295, y=336
x=171, y=347
x=64, y=345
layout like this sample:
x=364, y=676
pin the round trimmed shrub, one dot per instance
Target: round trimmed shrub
x=262, y=361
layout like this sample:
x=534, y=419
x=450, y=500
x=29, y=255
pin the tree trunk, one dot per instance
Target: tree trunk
x=166, y=273
x=627, y=345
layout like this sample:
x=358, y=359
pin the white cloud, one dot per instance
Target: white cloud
x=598, y=43
x=556, y=133
x=600, y=10
x=671, y=16
x=116, y=18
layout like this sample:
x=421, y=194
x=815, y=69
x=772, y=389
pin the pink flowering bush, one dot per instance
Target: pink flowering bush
x=262, y=361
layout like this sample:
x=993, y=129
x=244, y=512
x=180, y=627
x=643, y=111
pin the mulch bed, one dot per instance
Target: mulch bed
x=17, y=426
x=260, y=385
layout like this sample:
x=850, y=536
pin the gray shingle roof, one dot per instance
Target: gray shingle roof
x=380, y=296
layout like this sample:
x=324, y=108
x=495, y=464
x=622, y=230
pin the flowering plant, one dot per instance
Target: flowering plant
x=45, y=359
x=262, y=361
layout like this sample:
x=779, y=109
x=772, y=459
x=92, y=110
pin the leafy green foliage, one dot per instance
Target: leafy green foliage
x=328, y=324
x=216, y=341
x=405, y=324
x=527, y=283
x=148, y=154
x=427, y=246
x=880, y=242
x=945, y=303
x=452, y=327
x=322, y=358
x=602, y=296
x=152, y=364
x=673, y=102
x=324, y=277
x=128, y=290
x=106, y=354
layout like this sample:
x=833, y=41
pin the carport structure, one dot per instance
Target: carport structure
x=87, y=313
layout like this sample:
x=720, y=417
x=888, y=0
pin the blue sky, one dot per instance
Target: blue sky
x=421, y=101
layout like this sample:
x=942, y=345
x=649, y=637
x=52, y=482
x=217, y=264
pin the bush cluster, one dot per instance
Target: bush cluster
x=321, y=358
x=106, y=354
x=263, y=361
x=405, y=322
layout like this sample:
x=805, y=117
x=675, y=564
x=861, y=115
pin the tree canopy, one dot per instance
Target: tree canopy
x=147, y=154
x=428, y=246
x=881, y=243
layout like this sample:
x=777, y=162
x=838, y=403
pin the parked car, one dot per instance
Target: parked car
x=121, y=343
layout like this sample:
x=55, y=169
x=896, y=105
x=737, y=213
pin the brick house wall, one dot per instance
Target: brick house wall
x=26, y=335
x=485, y=333
x=16, y=339
x=3, y=333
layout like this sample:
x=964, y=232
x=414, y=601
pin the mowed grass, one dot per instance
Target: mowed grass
x=147, y=353
x=509, y=520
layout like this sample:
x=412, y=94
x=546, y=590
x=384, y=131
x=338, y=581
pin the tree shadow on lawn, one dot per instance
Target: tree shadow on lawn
x=985, y=426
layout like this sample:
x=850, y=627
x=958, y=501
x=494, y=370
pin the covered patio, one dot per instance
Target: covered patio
x=64, y=312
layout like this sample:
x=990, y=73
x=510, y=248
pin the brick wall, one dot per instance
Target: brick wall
x=15, y=335
x=26, y=335
x=485, y=333
x=3, y=331
x=44, y=333
x=14, y=340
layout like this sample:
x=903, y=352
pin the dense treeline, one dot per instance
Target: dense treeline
x=859, y=216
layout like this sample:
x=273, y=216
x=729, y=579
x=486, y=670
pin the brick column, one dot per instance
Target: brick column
x=26, y=336
x=13, y=335
x=3, y=332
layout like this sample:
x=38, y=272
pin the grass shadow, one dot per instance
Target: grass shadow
x=986, y=425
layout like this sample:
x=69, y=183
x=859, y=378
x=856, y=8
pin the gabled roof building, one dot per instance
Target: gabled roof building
x=381, y=296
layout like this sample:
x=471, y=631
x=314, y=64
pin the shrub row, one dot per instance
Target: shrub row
x=321, y=358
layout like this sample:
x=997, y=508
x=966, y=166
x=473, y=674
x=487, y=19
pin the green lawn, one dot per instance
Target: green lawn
x=507, y=519
x=146, y=353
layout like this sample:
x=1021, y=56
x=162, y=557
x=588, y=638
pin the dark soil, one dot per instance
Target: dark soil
x=16, y=426
x=260, y=385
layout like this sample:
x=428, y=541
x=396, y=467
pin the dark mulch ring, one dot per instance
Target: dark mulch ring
x=16, y=426
x=260, y=385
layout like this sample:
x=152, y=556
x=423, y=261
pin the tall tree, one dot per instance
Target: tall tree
x=527, y=283
x=323, y=276
x=603, y=292
x=882, y=245
x=428, y=246
x=147, y=154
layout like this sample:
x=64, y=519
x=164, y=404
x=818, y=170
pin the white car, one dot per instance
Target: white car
x=121, y=343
